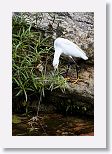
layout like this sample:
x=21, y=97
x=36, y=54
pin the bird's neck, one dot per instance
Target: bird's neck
x=57, y=54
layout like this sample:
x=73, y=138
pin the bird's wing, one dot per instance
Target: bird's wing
x=72, y=49
x=80, y=49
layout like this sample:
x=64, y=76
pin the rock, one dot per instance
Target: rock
x=78, y=97
x=85, y=87
x=75, y=26
x=65, y=133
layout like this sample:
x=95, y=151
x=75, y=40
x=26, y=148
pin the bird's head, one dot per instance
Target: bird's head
x=55, y=64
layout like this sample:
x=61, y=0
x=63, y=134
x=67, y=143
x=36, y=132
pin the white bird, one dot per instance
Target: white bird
x=68, y=48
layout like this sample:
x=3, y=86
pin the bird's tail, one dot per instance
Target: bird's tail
x=85, y=57
x=82, y=54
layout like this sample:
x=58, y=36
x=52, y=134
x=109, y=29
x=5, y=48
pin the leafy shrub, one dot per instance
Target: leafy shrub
x=32, y=70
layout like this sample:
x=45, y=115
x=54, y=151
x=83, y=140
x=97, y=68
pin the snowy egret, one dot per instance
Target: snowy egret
x=65, y=47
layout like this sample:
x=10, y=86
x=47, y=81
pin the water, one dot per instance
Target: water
x=53, y=125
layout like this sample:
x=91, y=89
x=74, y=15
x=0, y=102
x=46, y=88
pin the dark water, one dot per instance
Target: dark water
x=53, y=125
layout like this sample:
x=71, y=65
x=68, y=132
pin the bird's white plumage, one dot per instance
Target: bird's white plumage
x=64, y=46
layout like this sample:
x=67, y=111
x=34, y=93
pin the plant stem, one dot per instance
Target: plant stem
x=45, y=65
x=40, y=99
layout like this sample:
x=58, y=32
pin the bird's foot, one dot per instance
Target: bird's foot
x=73, y=81
x=78, y=79
x=67, y=78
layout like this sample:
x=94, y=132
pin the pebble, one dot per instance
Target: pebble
x=65, y=133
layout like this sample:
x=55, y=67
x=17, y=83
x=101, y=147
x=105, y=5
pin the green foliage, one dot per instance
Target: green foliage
x=31, y=58
x=16, y=119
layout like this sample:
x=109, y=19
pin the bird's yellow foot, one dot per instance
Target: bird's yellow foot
x=78, y=79
x=67, y=79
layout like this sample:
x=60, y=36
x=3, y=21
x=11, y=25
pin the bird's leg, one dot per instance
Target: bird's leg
x=68, y=66
x=76, y=65
x=66, y=73
x=77, y=70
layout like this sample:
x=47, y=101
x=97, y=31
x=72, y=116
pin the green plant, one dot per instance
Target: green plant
x=31, y=58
